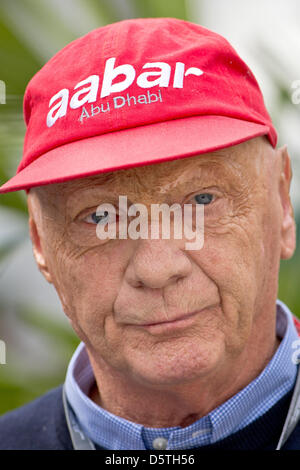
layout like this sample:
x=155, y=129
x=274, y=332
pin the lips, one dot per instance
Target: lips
x=176, y=319
x=178, y=322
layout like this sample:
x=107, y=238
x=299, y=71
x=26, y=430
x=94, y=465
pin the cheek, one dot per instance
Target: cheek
x=87, y=284
x=243, y=242
x=271, y=246
x=230, y=253
x=233, y=258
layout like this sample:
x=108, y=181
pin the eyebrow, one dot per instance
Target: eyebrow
x=84, y=183
x=208, y=177
x=103, y=177
x=208, y=168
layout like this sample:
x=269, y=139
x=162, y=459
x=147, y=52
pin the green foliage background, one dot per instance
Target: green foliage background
x=18, y=63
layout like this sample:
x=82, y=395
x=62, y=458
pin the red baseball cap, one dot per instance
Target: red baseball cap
x=132, y=93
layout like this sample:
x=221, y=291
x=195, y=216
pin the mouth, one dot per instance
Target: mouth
x=182, y=321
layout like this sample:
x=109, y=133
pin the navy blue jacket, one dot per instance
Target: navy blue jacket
x=41, y=425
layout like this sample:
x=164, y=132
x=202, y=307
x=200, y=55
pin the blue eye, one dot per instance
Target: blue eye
x=203, y=198
x=94, y=218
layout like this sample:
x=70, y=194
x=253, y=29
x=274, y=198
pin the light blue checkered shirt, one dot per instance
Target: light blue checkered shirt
x=115, y=433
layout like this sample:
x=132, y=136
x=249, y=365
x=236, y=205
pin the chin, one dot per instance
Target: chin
x=177, y=365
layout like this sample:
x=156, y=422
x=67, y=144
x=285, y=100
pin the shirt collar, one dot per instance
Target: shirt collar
x=113, y=432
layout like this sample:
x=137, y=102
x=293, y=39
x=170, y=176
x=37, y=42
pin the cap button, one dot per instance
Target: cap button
x=160, y=443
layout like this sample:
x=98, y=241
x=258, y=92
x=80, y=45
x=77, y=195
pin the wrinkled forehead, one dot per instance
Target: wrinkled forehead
x=239, y=162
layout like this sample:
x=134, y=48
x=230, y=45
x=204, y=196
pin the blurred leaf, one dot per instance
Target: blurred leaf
x=157, y=8
x=52, y=328
x=19, y=63
x=13, y=200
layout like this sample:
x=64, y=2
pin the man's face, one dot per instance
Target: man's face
x=113, y=290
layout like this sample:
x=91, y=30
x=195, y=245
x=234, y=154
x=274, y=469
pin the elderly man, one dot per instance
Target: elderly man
x=182, y=348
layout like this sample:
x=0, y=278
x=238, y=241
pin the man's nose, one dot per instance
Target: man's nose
x=156, y=264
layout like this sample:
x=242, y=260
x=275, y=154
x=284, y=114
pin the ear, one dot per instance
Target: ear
x=288, y=226
x=36, y=241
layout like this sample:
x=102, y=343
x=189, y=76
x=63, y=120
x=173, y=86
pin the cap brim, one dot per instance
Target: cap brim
x=144, y=145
